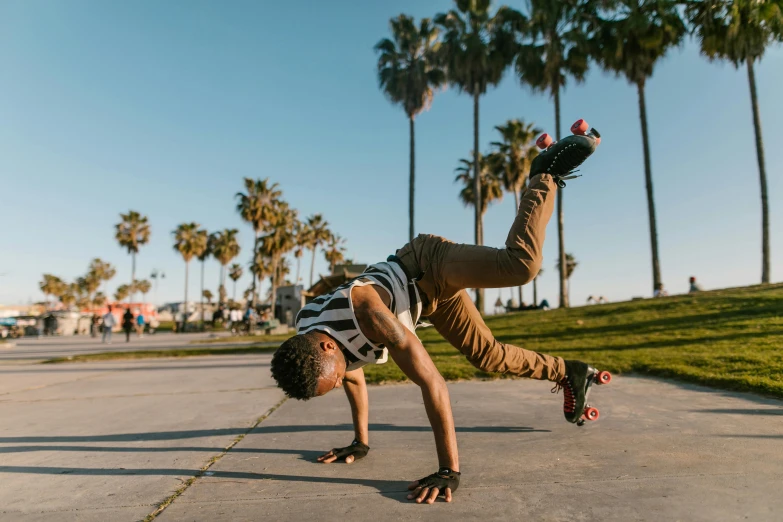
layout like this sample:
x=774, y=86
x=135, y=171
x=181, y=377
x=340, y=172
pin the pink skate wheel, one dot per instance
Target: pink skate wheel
x=579, y=127
x=604, y=377
x=544, y=141
x=591, y=414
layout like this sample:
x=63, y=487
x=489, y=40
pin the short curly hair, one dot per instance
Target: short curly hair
x=296, y=367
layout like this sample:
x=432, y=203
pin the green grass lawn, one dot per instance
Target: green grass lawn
x=730, y=339
x=244, y=338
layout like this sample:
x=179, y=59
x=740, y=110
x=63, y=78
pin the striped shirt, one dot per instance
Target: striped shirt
x=333, y=313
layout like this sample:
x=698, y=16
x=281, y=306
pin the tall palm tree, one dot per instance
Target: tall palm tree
x=278, y=241
x=334, y=251
x=202, y=254
x=570, y=266
x=235, y=272
x=629, y=42
x=256, y=207
x=535, y=286
x=132, y=232
x=477, y=48
x=740, y=31
x=225, y=248
x=189, y=242
x=319, y=234
x=514, y=155
x=409, y=74
x=490, y=188
x=99, y=300
x=555, y=48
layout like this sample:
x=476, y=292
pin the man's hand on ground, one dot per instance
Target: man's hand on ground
x=442, y=483
x=355, y=451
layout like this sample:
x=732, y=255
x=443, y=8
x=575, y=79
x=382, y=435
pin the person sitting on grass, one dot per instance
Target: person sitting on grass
x=369, y=318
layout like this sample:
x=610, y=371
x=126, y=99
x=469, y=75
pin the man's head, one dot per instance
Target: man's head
x=308, y=365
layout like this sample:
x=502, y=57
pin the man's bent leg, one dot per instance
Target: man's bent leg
x=458, y=320
x=447, y=267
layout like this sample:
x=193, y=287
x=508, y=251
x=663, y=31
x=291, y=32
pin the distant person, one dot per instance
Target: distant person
x=499, y=306
x=140, y=322
x=660, y=291
x=695, y=287
x=235, y=317
x=95, y=321
x=544, y=305
x=108, y=324
x=127, y=323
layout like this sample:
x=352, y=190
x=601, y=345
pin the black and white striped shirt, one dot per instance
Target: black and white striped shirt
x=333, y=313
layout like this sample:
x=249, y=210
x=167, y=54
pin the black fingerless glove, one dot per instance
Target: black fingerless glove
x=444, y=478
x=357, y=449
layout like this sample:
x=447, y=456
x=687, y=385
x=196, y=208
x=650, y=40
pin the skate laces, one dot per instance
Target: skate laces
x=569, y=401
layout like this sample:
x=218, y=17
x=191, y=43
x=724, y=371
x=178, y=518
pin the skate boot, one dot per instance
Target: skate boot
x=561, y=158
x=576, y=388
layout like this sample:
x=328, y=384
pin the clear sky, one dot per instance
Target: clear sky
x=163, y=107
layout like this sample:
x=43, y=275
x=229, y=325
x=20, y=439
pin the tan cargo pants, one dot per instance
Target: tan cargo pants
x=446, y=269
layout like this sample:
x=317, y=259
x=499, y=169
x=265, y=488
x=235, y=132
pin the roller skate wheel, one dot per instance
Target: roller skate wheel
x=544, y=141
x=604, y=378
x=579, y=127
x=591, y=414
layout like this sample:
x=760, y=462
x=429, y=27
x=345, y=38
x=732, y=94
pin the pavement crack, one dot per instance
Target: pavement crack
x=167, y=502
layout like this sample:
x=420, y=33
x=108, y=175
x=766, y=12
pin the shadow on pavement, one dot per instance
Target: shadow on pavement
x=393, y=489
x=740, y=411
x=194, y=434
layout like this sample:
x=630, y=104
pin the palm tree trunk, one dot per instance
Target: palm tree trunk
x=298, y=265
x=477, y=188
x=255, y=249
x=234, y=298
x=273, y=297
x=202, y=295
x=312, y=267
x=185, y=304
x=649, y=185
x=560, y=220
x=535, y=291
x=516, y=210
x=765, y=261
x=133, y=277
x=412, y=188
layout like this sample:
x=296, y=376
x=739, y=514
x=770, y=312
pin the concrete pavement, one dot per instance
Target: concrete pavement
x=114, y=440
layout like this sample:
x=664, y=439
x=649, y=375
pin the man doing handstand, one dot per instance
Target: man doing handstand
x=375, y=315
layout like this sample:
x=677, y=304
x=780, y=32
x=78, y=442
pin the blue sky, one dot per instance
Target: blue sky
x=163, y=107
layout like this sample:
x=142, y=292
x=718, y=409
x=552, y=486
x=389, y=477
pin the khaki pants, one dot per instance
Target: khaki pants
x=446, y=269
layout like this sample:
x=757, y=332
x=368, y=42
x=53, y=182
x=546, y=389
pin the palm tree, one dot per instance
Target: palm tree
x=122, y=292
x=235, y=272
x=71, y=295
x=52, y=285
x=225, y=248
x=318, y=236
x=514, y=155
x=99, y=300
x=144, y=287
x=571, y=264
x=279, y=240
x=740, y=31
x=490, y=188
x=556, y=48
x=131, y=233
x=301, y=242
x=102, y=270
x=256, y=207
x=630, y=42
x=334, y=251
x=207, y=294
x=409, y=74
x=189, y=242
x=202, y=254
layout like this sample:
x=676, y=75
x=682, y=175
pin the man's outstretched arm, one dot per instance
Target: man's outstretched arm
x=381, y=326
x=356, y=390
